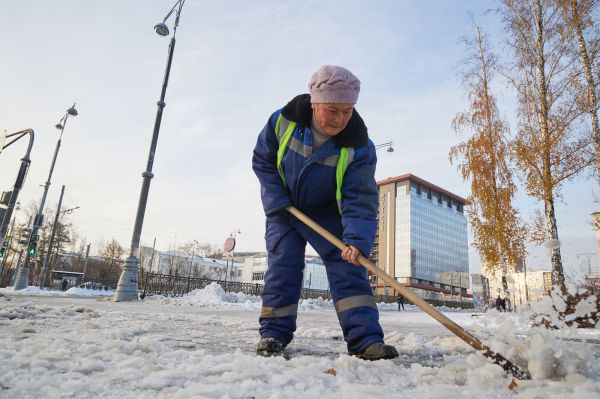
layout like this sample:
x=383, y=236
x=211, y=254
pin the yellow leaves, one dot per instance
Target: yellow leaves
x=484, y=160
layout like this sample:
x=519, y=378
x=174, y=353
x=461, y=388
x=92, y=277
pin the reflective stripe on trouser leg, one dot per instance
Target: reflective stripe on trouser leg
x=357, y=314
x=283, y=281
x=350, y=302
x=270, y=312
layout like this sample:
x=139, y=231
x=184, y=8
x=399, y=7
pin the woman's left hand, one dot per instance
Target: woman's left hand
x=350, y=254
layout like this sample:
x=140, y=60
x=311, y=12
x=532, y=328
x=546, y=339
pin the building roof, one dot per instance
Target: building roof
x=422, y=182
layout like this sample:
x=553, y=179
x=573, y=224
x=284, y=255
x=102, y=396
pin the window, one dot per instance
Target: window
x=258, y=276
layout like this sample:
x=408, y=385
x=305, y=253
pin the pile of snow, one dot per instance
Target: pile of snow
x=311, y=304
x=547, y=354
x=579, y=307
x=89, y=292
x=212, y=295
x=75, y=291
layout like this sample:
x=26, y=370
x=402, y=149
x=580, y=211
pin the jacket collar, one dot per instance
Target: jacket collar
x=354, y=134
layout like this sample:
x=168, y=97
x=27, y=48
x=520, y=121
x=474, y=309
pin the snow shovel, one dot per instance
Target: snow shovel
x=500, y=360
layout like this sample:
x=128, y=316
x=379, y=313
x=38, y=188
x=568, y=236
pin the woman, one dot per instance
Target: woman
x=315, y=154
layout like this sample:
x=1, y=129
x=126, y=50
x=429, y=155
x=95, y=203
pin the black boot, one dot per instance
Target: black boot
x=378, y=351
x=269, y=346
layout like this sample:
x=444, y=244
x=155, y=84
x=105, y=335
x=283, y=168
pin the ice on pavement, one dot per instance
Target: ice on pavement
x=202, y=345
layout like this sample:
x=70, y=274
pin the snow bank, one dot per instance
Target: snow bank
x=547, y=354
x=212, y=295
x=75, y=291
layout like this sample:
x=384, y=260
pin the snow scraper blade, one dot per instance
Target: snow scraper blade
x=498, y=359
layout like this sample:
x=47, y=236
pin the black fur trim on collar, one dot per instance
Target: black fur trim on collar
x=354, y=134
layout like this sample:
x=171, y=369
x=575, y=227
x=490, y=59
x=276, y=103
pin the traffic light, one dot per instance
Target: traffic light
x=32, y=249
x=3, y=248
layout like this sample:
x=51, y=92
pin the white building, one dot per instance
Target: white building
x=177, y=263
x=537, y=285
x=480, y=288
x=315, y=276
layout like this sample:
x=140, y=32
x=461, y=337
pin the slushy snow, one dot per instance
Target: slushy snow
x=202, y=345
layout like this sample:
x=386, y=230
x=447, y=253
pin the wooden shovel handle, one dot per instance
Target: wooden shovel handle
x=427, y=308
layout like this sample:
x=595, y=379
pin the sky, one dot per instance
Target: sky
x=235, y=63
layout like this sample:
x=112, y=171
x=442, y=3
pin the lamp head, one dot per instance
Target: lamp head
x=72, y=111
x=162, y=29
x=58, y=126
x=390, y=149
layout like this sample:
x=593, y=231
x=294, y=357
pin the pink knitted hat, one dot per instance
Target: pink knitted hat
x=333, y=84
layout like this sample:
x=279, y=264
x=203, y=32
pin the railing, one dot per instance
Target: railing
x=167, y=285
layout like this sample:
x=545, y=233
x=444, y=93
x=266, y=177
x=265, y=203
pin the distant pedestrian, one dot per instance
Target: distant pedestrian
x=65, y=284
x=400, y=301
x=499, y=304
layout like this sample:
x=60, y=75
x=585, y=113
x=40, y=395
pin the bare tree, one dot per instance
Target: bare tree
x=484, y=160
x=550, y=147
x=113, y=252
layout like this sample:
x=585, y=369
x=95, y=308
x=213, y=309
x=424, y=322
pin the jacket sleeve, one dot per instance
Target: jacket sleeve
x=264, y=163
x=360, y=200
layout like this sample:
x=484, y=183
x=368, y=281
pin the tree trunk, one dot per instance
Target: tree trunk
x=548, y=185
x=504, y=272
x=589, y=77
x=558, y=277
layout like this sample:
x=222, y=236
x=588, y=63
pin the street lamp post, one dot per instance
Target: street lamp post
x=25, y=162
x=127, y=288
x=388, y=145
x=233, y=234
x=23, y=273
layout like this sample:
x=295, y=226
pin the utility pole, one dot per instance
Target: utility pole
x=152, y=256
x=49, y=254
x=587, y=255
x=87, y=255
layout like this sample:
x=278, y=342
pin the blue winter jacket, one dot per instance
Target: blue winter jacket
x=310, y=177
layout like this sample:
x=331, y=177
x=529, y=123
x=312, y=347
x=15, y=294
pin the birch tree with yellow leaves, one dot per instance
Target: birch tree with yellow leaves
x=551, y=145
x=580, y=27
x=483, y=160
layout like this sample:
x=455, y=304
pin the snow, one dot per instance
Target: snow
x=74, y=291
x=202, y=345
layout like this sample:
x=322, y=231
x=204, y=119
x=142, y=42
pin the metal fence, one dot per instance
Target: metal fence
x=168, y=285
